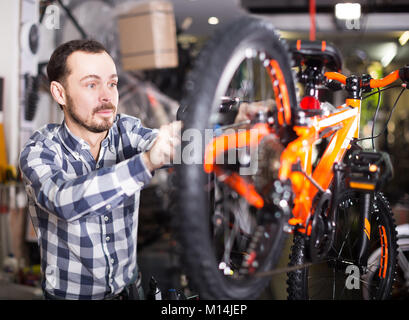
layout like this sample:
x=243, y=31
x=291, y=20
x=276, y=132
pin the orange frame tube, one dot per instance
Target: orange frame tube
x=346, y=124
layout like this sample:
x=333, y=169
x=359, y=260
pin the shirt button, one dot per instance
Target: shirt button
x=106, y=218
x=107, y=238
x=108, y=206
x=112, y=261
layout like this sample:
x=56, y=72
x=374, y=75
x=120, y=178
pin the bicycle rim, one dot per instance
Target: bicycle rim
x=400, y=290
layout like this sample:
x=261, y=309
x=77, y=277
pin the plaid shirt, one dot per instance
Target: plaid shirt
x=85, y=212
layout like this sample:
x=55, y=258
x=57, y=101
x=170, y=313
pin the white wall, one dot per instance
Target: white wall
x=13, y=14
x=47, y=110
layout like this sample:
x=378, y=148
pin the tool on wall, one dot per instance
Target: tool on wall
x=29, y=46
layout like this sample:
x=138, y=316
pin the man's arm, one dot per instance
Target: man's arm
x=163, y=149
x=68, y=197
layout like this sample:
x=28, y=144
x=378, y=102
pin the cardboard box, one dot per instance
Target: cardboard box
x=147, y=33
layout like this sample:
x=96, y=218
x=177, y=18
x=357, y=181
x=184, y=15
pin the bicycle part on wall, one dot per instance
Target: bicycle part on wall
x=87, y=15
x=169, y=80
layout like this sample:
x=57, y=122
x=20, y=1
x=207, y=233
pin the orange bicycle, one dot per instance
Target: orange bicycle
x=293, y=167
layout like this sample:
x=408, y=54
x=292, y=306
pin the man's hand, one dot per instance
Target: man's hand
x=163, y=149
x=248, y=111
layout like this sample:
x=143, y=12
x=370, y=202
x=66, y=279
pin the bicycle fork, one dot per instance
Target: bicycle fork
x=364, y=236
x=365, y=230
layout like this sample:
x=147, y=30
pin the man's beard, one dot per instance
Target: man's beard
x=93, y=127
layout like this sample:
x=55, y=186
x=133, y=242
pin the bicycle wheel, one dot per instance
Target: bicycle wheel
x=330, y=279
x=226, y=240
x=400, y=289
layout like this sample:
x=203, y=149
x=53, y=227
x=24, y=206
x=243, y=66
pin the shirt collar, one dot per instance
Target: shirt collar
x=75, y=144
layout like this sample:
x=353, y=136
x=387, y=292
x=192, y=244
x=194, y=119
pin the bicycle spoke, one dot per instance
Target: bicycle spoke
x=403, y=261
x=262, y=79
x=250, y=70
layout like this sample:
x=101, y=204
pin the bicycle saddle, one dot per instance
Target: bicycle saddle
x=316, y=52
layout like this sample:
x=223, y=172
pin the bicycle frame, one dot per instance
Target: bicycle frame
x=296, y=159
x=344, y=126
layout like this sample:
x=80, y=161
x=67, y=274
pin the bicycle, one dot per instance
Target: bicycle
x=234, y=214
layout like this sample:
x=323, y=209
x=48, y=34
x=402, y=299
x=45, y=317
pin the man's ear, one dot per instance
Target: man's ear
x=58, y=93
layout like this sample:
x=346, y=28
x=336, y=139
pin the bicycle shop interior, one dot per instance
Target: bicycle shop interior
x=372, y=40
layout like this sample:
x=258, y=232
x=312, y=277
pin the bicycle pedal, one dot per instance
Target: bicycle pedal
x=368, y=170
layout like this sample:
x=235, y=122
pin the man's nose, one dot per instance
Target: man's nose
x=105, y=95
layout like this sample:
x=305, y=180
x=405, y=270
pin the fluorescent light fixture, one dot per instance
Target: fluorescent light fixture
x=390, y=51
x=404, y=37
x=348, y=11
x=213, y=20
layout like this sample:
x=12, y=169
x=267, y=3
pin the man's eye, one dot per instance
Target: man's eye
x=113, y=84
x=91, y=85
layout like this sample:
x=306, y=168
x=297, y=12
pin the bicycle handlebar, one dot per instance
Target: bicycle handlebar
x=402, y=73
x=392, y=77
x=336, y=76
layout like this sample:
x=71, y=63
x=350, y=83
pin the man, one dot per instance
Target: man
x=84, y=176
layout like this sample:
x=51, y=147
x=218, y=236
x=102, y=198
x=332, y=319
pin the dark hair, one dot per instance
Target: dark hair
x=57, y=66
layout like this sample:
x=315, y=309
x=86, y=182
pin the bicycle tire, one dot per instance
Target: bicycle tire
x=192, y=219
x=311, y=282
x=400, y=290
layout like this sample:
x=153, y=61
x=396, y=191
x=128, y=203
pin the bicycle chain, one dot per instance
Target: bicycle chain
x=250, y=262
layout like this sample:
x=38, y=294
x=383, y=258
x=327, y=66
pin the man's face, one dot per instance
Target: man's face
x=91, y=90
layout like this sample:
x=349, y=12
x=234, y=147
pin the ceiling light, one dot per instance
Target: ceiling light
x=213, y=20
x=404, y=37
x=348, y=11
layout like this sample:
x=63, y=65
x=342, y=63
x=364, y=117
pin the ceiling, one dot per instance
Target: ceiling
x=201, y=10
x=382, y=22
x=378, y=14
x=322, y=6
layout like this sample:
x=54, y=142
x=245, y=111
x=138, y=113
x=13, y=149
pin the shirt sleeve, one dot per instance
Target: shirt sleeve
x=135, y=137
x=71, y=197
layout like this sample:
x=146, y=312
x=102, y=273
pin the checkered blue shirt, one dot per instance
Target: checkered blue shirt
x=85, y=212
